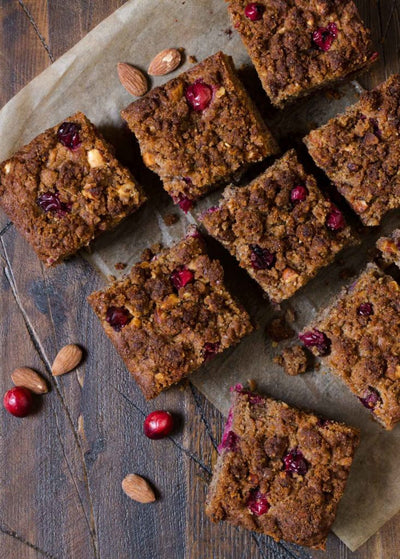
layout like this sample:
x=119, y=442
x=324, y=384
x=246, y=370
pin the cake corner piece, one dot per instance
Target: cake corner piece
x=280, y=471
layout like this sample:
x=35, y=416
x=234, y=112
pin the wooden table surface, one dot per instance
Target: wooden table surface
x=61, y=469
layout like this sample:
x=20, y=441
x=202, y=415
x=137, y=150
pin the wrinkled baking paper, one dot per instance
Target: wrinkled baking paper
x=85, y=78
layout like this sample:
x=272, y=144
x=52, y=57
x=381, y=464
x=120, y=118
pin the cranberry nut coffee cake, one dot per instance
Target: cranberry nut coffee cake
x=298, y=46
x=199, y=130
x=170, y=315
x=66, y=187
x=280, y=471
x=280, y=227
x=359, y=151
x=358, y=337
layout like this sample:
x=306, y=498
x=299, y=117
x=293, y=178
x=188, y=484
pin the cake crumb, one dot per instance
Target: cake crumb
x=192, y=59
x=170, y=219
x=120, y=265
x=293, y=359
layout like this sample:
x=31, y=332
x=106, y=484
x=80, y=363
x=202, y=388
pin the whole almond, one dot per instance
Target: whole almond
x=165, y=62
x=133, y=80
x=138, y=489
x=24, y=376
x=66, y=360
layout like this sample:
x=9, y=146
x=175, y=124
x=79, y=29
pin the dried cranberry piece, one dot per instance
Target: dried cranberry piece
x=365, y=309
x=335, y=220
x=199, y=95
x=229, y=438
x=118, y=317
x=371, y=398
x=323, y=37
x=229, y=441
x=375, y=127
x=181, y=277
x=261, y=258
x=254, y=11
x=209, y=350
x=50, y=202
x=298, y=194
x=68, y=135
x=258, y=503
x=315, y=338
x=184, y=202
x=295, y=462
x=237, y=388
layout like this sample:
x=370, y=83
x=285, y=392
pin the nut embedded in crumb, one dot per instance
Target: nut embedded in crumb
x=278, y=329
x=170, y=219
x=294, y=360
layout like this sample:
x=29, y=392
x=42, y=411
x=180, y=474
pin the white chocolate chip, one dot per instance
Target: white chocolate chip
x=7, y=168
x=95, y=158
x=220, y=92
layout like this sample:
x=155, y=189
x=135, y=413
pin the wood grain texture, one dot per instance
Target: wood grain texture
x=61, y=470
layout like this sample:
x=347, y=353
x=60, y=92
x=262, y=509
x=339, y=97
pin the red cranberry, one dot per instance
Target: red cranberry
x=258, y=503
x=50, y=202
x=365, y=309
x=229, y=442
x=324, y=36
x=375, y=127
x=158, y=424
x=237, y=388
x=261, y=258
x=298, y=194
x=335, y=220
x=254, y=11
x=209, y=350
x=68, y=135
x=118, y=317
x=181, y=277
x=184, y=202
x=18, y=401
x=199, y=95
x=315, y=338
x=371, y=398
x=295, y=462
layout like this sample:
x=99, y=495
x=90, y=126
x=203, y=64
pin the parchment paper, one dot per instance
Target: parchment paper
x=85, y=78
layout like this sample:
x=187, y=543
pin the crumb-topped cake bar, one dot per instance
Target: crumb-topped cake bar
x=359, y=151
x=199, y=129
x=66, y=187
x=390, y=247
x=359, y=338
x=298, y=46
x=280, y=227
x=171, y=314
x=280, y=471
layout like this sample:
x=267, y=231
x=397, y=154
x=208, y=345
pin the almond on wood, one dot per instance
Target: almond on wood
x=67, y=359
x=24, y=376
x=138, y=489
